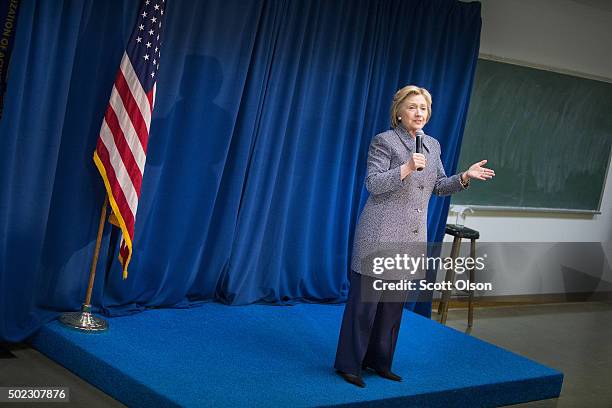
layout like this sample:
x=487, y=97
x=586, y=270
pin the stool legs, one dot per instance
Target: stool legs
x=446, y=278
x=472, y=281
x=450, y=277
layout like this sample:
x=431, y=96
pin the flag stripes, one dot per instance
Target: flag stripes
x=121, y=151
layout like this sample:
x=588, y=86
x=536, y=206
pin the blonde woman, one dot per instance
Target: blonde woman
x=396, y=211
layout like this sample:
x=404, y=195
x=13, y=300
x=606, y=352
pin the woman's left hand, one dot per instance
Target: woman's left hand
x=476, y=171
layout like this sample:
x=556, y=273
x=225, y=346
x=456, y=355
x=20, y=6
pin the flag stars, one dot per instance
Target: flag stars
x=148, y=37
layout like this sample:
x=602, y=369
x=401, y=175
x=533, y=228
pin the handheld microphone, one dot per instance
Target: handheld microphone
x=419, y=144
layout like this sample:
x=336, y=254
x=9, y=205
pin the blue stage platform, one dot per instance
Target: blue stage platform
x=261, y=356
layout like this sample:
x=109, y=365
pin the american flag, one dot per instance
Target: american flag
x=121, y=151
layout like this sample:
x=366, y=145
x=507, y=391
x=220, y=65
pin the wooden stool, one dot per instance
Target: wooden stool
x=459, y=232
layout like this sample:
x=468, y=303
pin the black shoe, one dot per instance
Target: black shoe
x=385, y=374
x=389, y=375
x=352, y=378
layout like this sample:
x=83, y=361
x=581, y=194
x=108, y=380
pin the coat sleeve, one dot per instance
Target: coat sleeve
x=380, y=177
x=446, y=185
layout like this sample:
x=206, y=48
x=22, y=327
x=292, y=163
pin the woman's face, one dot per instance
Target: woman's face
x=413, y=112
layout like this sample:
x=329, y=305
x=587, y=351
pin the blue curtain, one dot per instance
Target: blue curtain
x=254, y=178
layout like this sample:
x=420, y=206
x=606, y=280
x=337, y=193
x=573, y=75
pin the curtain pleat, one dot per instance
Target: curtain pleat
x=254, y=178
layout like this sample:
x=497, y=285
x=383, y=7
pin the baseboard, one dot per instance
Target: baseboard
x=531, y=299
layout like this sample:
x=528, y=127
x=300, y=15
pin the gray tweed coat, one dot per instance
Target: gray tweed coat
x=396, y=210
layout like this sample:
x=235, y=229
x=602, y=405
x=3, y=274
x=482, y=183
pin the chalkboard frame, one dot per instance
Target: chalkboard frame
x=527, y=209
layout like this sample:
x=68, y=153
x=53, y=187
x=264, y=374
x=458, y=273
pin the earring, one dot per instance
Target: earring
x=399, y=118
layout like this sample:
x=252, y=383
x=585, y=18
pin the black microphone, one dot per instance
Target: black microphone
x=419, y=144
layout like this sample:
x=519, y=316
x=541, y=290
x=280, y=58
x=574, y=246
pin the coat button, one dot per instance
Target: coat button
x=419, y=210
x=421, y=187
x=416, y=231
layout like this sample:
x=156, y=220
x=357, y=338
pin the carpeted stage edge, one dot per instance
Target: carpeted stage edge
x=257, y=355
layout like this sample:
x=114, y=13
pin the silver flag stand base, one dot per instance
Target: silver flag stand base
x=84, y=320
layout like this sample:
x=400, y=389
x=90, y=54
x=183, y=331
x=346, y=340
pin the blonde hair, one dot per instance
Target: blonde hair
x=401, y=95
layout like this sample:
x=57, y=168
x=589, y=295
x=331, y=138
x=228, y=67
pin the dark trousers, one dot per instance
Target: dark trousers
x=369, y=328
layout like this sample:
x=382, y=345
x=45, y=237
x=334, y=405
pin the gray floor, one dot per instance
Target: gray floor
x=575, y=338
x=29, y=368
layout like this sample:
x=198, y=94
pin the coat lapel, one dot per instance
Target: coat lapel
x=408, y=140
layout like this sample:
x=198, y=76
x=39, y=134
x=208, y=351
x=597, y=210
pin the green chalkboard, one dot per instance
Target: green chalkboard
x=547, y=135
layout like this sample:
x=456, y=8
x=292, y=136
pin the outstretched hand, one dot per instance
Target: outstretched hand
x=476, y=171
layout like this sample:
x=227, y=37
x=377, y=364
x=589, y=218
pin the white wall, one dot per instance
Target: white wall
x=566, y=36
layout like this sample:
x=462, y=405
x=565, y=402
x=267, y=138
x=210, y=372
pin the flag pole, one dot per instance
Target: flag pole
x=85, y=320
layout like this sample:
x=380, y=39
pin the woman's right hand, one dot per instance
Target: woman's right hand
x=417, y=160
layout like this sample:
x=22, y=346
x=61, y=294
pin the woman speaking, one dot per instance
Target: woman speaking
x=400, y=182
